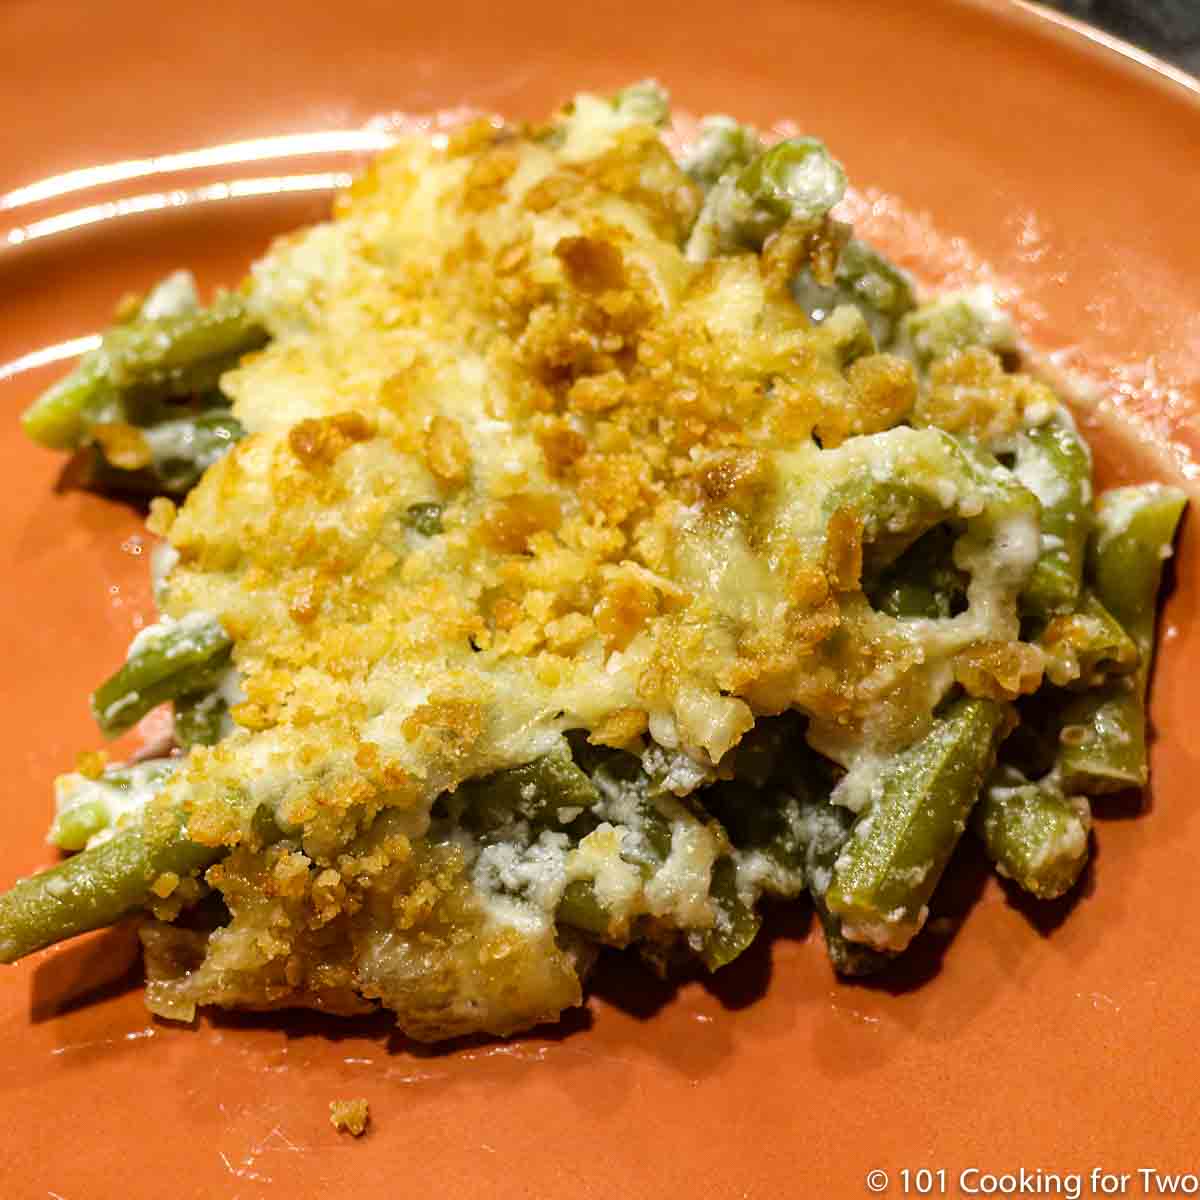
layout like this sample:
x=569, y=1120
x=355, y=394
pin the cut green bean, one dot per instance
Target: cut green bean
x=550, y=792
x=765, y=821
x=788, y=818
x=1103, y=732
x=880, y=291
x=894, y=513
x=95, y=888
x=883, y=879
x=722, y=145
x=581, y=909
x=955, y=322
x=923, y=582
x=201, y=719
x=74, y=827
x=777, y=777
x=171, y=296
x=181, y=354
x=1053, y=462
x=645, y=102
x=737, y=923
x=1087, y=647
x=929, y=486
x=1103, y=736
x=61, y=417
x=165, y=661
x=184, y=448
x=1135, y=531
x=1035, y=835
x=181, y=449
x=87, y=807
x=794, y=180
x=424, y=518
x=826, y=828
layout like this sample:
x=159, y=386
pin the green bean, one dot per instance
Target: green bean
x=1103, y=736
x=826, y=828
x=723, y=144
x=1035, y=835
x=776, y=775
x=761, y=755
x=923, y=581
x=794, y=180
x=1055, y=464
x=61, y=416
x=787, y=816
x=955, y=322
x=1104, y=731
x=846, y=957
x=74, y=827
x=550, y=791
x=895, y=856
x=181, y=450
x=627, y=794
x=737, y=923
x=574, y=793
x=179, y=354
x=735, y=926
x=866, y=279
x=165, y=661
x=1032, y=748
x=581, y=909
x=424, y=518
x=1135, y=530
x=173, y=354
x=928, y=483
x=201, y=719
x=1086, y=647
x=186, y=447
x=85, y=807
x=994, y=541
x=95, y=888
x=645, y=103
x=846, y=331
x=894, y=513
x=765, y=821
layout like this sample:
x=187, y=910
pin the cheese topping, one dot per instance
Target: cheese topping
x=514, y=466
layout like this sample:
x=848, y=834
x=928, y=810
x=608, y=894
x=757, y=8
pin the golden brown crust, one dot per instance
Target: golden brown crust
x=630, y=539
x=349, y=1116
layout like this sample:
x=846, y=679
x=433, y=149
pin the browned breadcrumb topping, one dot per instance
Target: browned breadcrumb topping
x=124, y=446
x=999, y=670
x=317, y=443
x=623, y=449
x=91, y=763
x=971, y=392
x=349, y=1116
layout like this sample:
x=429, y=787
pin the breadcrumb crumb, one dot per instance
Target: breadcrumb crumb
x=349, y=1116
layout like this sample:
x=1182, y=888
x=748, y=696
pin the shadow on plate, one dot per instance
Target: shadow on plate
x=86, y=972
x=107, y=965
x=80, y=473
x=619, y=979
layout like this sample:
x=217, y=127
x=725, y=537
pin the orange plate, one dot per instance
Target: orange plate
x=1056, y=1038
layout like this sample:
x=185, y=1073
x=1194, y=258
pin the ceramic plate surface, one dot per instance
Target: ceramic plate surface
x=983, y=139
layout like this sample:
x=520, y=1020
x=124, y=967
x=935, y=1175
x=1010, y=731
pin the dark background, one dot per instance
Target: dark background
x=1168, y=28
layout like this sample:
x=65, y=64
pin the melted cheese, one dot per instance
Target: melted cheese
x=635, y=534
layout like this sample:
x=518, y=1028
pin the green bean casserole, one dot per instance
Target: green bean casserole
x=569, y=545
